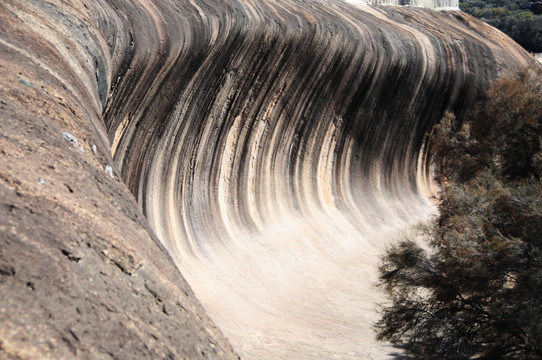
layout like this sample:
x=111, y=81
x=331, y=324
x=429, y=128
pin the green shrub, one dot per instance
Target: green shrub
x=477, y=292
x=521, y=20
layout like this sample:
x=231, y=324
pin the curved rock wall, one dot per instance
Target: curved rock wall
x=81, y=274
x=274, y=147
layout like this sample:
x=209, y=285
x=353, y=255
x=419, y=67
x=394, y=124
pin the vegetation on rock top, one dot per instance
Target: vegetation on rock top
x=520, y=19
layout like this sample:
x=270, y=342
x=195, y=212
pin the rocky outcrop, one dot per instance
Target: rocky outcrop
x=267, y=149
x=427, y=4
x=81, y=274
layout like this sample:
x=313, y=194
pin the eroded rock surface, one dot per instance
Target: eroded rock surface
x=81, y=275
x=274, y=148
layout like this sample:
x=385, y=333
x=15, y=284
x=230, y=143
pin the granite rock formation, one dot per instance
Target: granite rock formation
x=266, y=150
x=427, y=4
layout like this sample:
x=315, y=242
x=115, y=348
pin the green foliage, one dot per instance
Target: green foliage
x=477, y=292
x=504, y=134
x=521, y=20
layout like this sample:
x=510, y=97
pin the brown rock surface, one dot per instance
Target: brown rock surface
x=275, y=147
x=81, y=275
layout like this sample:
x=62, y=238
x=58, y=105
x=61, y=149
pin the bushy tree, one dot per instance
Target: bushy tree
x=520, y=19
x=475, y=290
